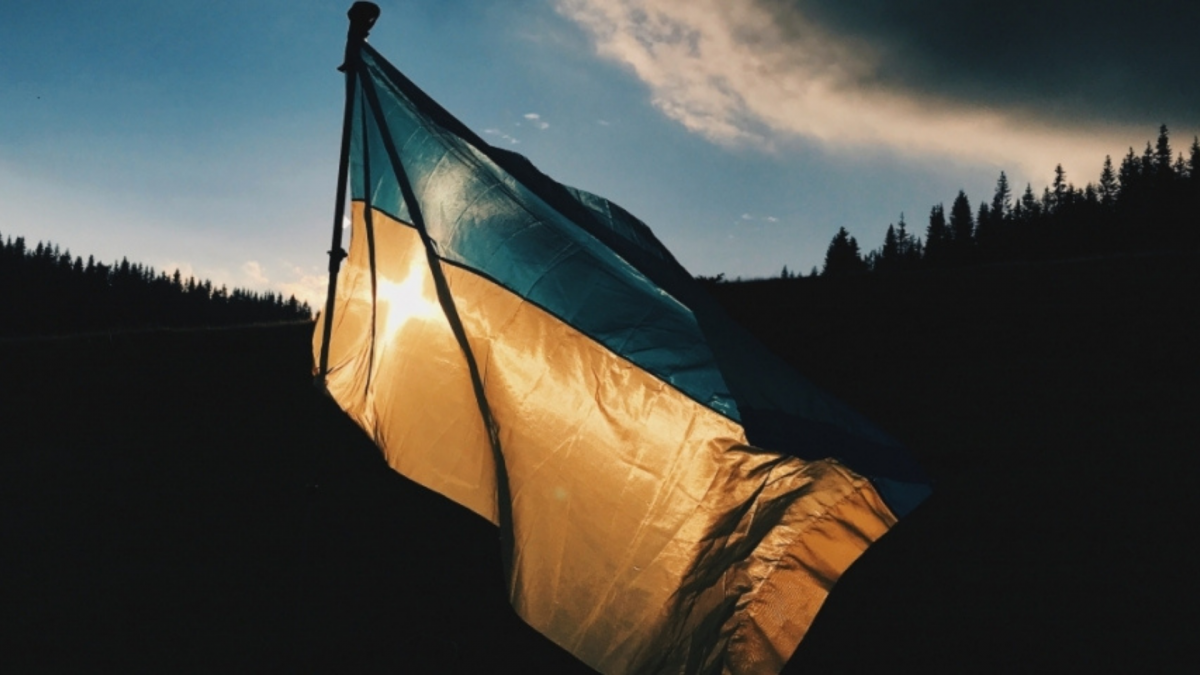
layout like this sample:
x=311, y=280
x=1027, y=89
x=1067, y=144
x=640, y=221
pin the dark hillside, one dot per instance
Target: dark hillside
x=187, y=502
x=1056, y=406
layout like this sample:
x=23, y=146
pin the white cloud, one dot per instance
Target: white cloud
x=537, y=120
x=503, y=136
x=308, y=285
x=726, y=71
x=772, y=219
x=747, y=216
x=185, y=269
x=254, y=276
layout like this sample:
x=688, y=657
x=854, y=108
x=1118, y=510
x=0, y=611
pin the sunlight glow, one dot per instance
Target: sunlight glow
x=404, y=301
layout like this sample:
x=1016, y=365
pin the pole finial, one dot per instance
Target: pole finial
x=362, y=18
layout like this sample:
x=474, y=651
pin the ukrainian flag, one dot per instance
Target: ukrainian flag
x=672, y=498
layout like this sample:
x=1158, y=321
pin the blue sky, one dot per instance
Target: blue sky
x=204, y=135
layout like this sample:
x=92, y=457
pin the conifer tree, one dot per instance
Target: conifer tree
x=902, y=236
x=1162, y=155
x=1060, y=193
x=1194, y=161
x=1180, y=167
x=1129, y=177
x=843, y=256
x=910, y=246
x=937, y=236
x=887, y=258
x=1148, y=161
x=1108, y=188
x=1001, y=200
x=1031, y=210
x=962, y=228
x=986, y=231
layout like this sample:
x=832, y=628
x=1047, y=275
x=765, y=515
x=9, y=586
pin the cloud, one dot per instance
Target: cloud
x=537, y=120
x=1070, y=59
x=909, y=77
x=308, y=285
x=501, y=135
x=252, y=273
x=185, y=270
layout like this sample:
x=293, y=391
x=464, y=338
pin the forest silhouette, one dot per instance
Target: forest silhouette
x=1150, y=202
x=43, y=290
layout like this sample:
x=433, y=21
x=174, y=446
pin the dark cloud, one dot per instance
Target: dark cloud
x=1070, y=60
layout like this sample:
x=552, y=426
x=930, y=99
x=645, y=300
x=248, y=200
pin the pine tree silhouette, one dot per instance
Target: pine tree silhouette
x=843, y=257
x=49, y=291
x=1162, y=156
x=962, y=229
x=937, y=237
x=1059, y=193
x=1108, y=187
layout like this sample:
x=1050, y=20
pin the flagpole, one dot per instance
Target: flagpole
x=362, y=17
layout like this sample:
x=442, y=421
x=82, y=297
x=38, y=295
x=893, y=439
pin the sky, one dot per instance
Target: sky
x=203, y=135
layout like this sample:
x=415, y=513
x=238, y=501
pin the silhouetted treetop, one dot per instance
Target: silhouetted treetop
x=843, y=257
x=1150, y=201
x=45, y=290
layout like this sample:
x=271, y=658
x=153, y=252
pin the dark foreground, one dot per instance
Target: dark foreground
x=187, y=502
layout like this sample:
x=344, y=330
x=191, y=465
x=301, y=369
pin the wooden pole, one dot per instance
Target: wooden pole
x=362, y=17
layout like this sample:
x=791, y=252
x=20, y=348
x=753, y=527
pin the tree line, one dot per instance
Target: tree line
x=1150, y=202
x=45, y=290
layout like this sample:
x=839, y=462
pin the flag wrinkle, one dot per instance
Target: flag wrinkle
x=801, y=561
x=623, y=566
x=561, y=257
x=740, y=560
x=478, y=197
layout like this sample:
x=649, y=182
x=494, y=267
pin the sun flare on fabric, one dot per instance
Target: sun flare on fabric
x=403, y=301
